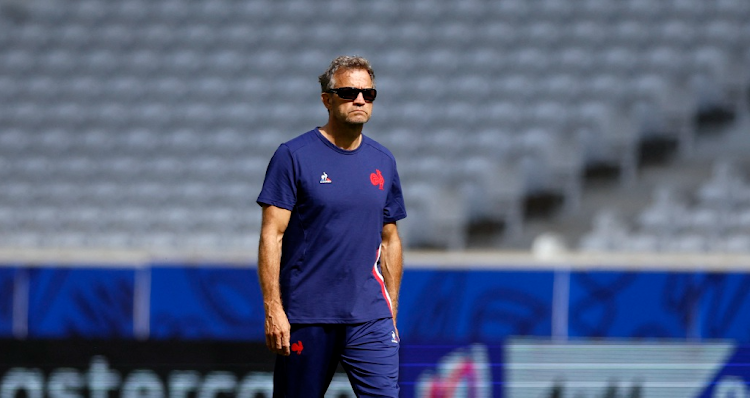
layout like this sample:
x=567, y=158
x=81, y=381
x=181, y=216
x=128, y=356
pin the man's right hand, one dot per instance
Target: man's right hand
x=278, y=331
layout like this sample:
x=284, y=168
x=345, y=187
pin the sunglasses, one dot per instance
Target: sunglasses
x=351, y=93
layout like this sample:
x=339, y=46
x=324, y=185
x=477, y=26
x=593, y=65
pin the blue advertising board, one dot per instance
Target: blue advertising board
x=7, y=290
x=207, y=302
x=473, y=306
x=631, y=305
x=725, y=306
x=224, y=302
x=65, y=302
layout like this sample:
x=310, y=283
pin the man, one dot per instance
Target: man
x=330, y=258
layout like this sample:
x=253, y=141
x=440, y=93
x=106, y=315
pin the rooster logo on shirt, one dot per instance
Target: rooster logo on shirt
x=376, y=178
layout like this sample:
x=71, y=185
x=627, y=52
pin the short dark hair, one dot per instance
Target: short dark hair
x=327, y=81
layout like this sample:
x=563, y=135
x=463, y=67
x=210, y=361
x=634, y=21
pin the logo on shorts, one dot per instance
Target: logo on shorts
x=297, y=347
x=394, y=339
x=324, y=179
x=377, y=179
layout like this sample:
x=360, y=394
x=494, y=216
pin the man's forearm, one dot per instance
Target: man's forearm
x=277, y=326
x=269, y=265
x=392, y=271
x=272, y=229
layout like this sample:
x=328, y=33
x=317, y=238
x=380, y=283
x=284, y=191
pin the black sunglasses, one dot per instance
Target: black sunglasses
x=351, y=93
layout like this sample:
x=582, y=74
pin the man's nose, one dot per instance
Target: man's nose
x=360, y=99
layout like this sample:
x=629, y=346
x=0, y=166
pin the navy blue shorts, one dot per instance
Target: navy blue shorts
x=368, y=352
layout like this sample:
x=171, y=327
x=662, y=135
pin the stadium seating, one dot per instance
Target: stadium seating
x=713, y=218
x=148, y=124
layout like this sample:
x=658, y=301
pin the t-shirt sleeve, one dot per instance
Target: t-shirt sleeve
x=394, y=206
x=279, y=186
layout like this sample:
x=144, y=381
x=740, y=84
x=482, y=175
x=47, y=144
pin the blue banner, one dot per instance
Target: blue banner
x=80, y=302
x=224, y=302
x=725, y=306
x=473, y=306
x=207, y=302
x=7, y=289
x=659, y=305
x=631, y=304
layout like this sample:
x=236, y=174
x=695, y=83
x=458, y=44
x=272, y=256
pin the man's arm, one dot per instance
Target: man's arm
x=392, y=264
x=275, y=221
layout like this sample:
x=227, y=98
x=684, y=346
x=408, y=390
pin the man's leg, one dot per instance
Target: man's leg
x=370, y=358
x=308, y=371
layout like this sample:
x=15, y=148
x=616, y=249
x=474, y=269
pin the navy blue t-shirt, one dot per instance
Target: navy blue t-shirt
x=340, y=200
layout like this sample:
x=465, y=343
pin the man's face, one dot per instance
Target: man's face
x=356, y=111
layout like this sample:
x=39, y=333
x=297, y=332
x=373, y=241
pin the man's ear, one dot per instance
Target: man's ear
x=326, y=99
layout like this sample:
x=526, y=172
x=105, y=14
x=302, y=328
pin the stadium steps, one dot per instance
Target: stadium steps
x=684, y=174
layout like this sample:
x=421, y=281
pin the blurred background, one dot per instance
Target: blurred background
x=575, y=172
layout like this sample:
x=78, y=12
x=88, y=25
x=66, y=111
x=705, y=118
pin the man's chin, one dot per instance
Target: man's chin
x=358, y=121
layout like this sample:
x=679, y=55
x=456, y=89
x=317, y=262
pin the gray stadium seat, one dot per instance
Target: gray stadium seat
x=642, y=242
x=607, y=234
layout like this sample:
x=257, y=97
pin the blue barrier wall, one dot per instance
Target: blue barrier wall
x=466, y=306
x=725, y=306
x=673, y=305
x=208, y=302
x=80, y=302
x=214, y=301
x=628, y=304
x=7, y=277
